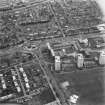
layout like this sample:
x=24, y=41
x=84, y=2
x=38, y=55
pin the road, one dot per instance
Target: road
x=20, y=81
x=51, y=9
x=52, y=82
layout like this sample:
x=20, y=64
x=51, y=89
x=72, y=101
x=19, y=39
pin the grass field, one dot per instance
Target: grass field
x=88, y=85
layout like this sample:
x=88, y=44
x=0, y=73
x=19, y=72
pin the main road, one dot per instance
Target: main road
x=52, y=82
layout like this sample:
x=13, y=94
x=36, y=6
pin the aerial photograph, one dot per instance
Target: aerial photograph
x=52, y=52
